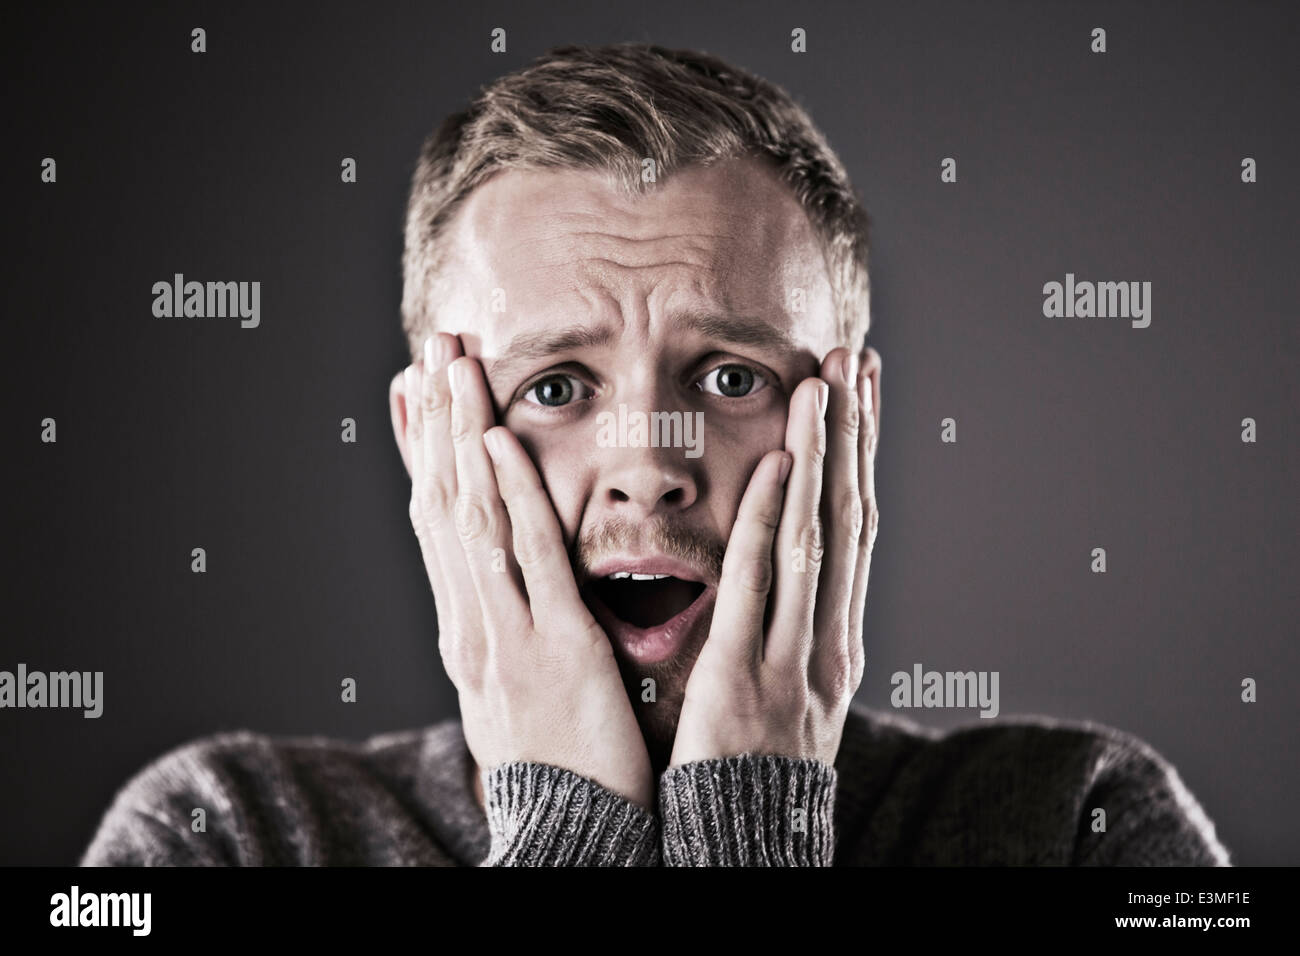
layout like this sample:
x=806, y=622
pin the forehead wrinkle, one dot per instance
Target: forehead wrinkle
x=526, y=347
x=741, y=330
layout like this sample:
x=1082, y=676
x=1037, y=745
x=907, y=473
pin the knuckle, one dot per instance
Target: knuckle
x=848, y=422
x=460, y=425
x=435, y=402
x=868, y=430
x=420, y=519
x=516, y=489
x=436, y=497
x=868, y=539
x=458, y=657
x=428, y=508
x=857, y=667
x=815, y=453
x=838, y=677
x=810, y=539
x=473, y=517
x=438, y=419
x=508, y=489
x=756, y=575
x=767, y=515
x=533, y=549
x=848, y=513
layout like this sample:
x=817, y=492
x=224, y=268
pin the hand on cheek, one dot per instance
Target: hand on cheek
x=782, y=684
x=535, y=674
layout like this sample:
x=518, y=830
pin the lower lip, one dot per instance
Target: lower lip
x=651, y=645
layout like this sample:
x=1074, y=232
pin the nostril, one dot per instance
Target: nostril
x=676, y=496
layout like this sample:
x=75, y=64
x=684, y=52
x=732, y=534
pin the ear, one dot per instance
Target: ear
x=397, y=406
x=869, y=367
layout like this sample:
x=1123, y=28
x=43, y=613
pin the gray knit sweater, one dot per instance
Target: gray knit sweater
x=1018, y=792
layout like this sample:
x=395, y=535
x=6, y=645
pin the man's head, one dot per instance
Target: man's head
x=629, y=230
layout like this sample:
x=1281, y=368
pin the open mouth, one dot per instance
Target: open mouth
x=645, y=600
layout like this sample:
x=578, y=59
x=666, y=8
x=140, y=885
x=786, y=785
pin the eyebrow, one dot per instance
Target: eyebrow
x=738, y=330
x=528, y=347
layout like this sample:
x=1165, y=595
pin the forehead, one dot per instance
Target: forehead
x=567, y=246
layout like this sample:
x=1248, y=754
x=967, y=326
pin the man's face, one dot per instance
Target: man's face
x=707, y=295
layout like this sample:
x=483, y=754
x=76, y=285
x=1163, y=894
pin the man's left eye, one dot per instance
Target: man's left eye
x=733, y=381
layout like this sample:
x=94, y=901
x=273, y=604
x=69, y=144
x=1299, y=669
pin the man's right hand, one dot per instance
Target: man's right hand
x=535, y=672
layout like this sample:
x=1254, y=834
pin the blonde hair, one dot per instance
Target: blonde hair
x=607, y=108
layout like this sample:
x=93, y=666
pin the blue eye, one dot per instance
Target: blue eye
x=555, y=391
x=733, y=381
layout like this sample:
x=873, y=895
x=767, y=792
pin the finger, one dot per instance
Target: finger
x=444, y=595
x=433, y=492
x=799, y=546
x=554, y=600
x=440, y=350
x=434, y=460
x=480, y=515
x=746, y=581
x=868, y=389
x=399, y=408
x=414, y=425
x=841, y=511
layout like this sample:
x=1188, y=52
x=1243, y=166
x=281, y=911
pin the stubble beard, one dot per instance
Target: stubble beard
x=658, y=717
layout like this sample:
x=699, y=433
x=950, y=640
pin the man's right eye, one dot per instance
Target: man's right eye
x=555, y=391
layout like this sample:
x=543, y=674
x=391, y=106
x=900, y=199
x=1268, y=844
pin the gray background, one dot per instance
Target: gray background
x=1073, y=433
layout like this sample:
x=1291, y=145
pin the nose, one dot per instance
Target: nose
x=645, y=475
x=641, y=483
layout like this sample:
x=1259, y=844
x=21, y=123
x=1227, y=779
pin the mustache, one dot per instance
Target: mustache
x=671, y=537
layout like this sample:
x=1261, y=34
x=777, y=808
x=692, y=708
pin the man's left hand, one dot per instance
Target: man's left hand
x=782, y=685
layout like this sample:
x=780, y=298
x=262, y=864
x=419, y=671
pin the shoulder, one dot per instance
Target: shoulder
x=245, y=798
x=1024, y=789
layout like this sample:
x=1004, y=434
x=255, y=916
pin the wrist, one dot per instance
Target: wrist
x=541, y=815
x=748, y=810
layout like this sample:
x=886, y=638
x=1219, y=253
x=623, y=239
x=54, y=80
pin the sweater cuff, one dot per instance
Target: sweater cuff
x=540, y=815
x=748, y=810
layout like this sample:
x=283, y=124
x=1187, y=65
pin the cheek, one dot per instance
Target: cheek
x=732, y=450
x=562, y=457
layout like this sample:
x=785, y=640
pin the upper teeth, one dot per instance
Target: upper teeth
x=619, y=575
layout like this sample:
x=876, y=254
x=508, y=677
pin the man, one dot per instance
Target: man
x=654, y=628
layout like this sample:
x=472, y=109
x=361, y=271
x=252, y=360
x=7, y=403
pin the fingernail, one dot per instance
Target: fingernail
x=823, y=394
x=492, y=442
x=410, y=380
x=786, y=461
x=851, y=370
x=428, y=353
x=442, y=353
x=456, y=375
